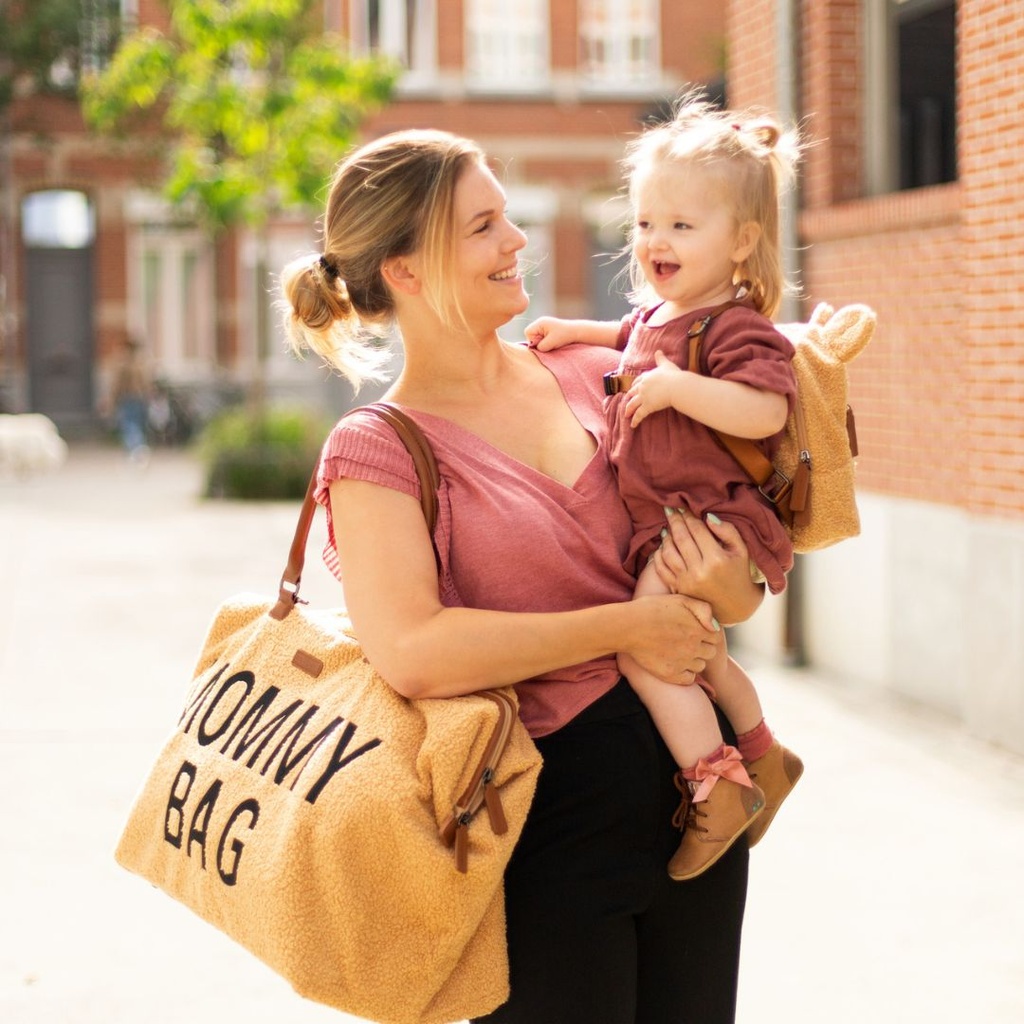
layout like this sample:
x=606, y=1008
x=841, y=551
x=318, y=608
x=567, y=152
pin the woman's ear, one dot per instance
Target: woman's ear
x=746, y=241
x=401, y=274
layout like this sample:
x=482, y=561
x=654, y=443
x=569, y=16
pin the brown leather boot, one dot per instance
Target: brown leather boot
x=776, y=772
x=713, y=825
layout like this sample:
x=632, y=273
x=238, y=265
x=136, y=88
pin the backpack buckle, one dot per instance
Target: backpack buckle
x=776, y=487
x=617, y=383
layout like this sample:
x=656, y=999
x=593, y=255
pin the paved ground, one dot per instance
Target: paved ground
x=891, y=889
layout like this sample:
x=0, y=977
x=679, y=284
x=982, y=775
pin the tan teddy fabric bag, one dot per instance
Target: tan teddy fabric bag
x=811, y=483
x=353, y=840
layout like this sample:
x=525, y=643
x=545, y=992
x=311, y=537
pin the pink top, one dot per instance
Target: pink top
x=671, y=459
x=511, y=538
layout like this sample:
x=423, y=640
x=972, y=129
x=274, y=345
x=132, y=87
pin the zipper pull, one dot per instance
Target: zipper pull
x=492, y=800
x=799, y=498
x=462, y=844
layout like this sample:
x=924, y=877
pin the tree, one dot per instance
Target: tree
x=258, y=101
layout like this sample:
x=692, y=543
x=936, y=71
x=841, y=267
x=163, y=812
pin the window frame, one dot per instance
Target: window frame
x=502, y=68
x=611, y=76
x=881, y=85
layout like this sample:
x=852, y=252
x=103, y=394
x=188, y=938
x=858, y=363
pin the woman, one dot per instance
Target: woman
x=532, y=538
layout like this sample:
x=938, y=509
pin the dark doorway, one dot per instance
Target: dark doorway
x=58, y=232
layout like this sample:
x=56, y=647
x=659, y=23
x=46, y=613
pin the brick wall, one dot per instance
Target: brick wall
x=750, y=53
x=940, y=392
x=991, y=76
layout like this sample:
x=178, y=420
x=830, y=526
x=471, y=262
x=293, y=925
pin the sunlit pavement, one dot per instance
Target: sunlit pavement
x=889, y=889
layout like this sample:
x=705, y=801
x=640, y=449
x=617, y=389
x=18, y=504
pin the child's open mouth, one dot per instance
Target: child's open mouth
x=662, y=269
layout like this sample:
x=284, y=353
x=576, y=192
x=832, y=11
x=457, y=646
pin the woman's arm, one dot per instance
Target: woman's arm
x=424, y=649
x=709, y=561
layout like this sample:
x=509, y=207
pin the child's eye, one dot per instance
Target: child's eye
x=680, y=225
x=643, y=225
x=483, y=227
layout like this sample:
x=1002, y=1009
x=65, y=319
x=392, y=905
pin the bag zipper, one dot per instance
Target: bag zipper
x=481, y=791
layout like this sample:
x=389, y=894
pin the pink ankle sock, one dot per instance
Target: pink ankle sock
x=755, y=744
x=690, y=774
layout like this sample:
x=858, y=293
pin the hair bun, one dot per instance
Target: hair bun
x=327, y=268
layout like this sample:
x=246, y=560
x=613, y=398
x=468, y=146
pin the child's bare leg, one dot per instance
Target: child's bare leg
x=771, y=766
x=720, y=801
x=684, y=715
x=734, y=692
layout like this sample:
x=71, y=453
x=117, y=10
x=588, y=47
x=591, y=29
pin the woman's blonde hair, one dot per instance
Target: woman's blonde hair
x=392, y=197
x=755, y=163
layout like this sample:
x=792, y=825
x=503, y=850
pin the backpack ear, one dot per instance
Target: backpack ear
x=848, y=330
x=822, y=313
x=809, y=332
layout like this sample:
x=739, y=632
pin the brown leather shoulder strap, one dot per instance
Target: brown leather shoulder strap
x=773, y=485
x=699, y=328
x=429, y=477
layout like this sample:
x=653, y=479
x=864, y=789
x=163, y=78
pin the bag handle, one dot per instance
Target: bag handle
x=426, y=470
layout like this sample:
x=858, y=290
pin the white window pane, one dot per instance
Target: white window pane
x=58, y=219
x=507, y=44
x=619, y=41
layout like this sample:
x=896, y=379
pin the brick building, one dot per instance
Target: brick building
x=550, y=88
x=907, y=203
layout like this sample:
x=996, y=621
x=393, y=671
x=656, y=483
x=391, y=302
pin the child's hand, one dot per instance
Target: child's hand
x=652, y=391
x=548, y=332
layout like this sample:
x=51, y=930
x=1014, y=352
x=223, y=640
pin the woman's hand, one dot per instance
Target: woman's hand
x=673, y=637
x=708, y=561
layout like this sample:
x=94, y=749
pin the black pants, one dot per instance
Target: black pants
x=598, y=932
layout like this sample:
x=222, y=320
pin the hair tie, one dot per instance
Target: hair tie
x=330, y=271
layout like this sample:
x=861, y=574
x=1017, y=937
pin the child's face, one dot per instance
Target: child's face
x=685, y=236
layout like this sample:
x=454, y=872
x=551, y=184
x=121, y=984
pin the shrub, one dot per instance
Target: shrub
x=261, y=455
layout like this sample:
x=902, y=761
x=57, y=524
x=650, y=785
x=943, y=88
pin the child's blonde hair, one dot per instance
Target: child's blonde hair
x=755, y=161
x=392, y=197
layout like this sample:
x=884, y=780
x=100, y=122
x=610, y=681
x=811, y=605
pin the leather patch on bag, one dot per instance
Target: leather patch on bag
x=306, y=662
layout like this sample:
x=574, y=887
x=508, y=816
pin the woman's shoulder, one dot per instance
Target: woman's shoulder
x=358, y=429
x=364, y=446
x=580, y=361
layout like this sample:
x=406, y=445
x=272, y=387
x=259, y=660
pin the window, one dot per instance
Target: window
x=58, y=219
x=102, y=23
x=608, y=217
x=534, y=209
x=507, y=45
x=619, y=42
x=403, y=29
x=910, y=84
x=170, y=289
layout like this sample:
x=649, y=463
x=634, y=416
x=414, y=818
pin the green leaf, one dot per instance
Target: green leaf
x=258, y=103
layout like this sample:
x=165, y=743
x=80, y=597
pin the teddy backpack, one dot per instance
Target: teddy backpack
x=811, y=482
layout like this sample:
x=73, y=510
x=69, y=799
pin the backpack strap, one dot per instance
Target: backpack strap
x=789, y=496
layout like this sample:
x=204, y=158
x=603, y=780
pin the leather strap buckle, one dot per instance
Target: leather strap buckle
x=617, y=383
x=776, y=487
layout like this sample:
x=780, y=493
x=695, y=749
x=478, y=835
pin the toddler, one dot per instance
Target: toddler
x=706, y=270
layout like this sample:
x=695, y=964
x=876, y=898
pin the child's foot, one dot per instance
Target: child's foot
x=713, y=825
x=776, y=773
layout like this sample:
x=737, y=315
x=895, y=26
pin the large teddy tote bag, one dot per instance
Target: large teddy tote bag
x=352, y=839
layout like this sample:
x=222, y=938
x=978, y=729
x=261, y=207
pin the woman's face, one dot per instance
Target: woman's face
x=487, y=282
